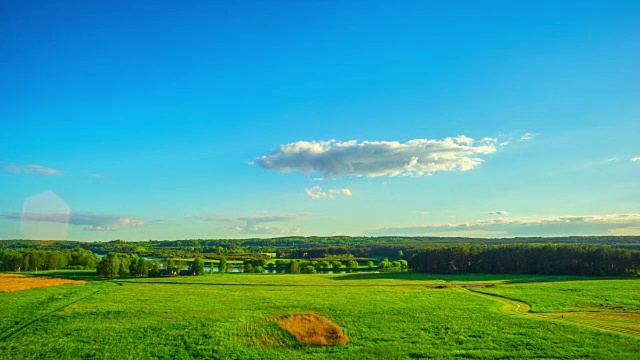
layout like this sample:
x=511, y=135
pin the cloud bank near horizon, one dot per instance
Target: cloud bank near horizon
x=611, y=224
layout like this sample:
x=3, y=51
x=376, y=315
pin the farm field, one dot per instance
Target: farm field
x=17, y=282
x=611, y=305
x=390, y=316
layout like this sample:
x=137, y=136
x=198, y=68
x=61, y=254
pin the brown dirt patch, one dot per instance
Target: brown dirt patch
x=16, y=282
x=312, y=329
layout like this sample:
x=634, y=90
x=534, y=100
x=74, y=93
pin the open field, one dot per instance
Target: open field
x=601, y=296
x=611, y=305
x=392, y=316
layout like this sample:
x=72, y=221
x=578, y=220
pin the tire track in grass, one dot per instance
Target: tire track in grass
x=514, y=307
x=253, y=334
x=26, y=325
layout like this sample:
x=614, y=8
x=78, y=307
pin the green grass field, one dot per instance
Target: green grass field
x=599, y=296
x=386, y=316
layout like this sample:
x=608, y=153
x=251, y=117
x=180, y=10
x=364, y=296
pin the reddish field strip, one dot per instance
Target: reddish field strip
x=16, y=282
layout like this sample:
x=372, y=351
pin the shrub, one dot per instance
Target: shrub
x=294, y=268
x=308, y=269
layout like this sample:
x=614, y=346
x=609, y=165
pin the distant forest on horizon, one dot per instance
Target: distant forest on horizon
x=292, y=244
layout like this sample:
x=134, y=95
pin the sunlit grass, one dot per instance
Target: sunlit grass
x=184, y=321
x=18, y=282
x=599, y=296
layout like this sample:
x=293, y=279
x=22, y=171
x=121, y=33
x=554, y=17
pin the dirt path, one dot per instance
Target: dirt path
x=623, y=323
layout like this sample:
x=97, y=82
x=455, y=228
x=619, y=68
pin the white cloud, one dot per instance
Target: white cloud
x=316, y=192
x=527, y=136
x=419, y=157
x=32, y=169
x=90, y=221
x=498, y=212
x=461, y=139
x=255, y=224
x=634, y=159
x=526, y=226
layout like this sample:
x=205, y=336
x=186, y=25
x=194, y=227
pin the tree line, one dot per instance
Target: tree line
x=124, y=265
x=314, y=246
x=34, y=260
x=547, y=259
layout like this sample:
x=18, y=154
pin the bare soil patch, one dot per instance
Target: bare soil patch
x=17, y=282
x=312, y=329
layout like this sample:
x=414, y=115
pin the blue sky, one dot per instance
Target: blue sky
x=170, y=120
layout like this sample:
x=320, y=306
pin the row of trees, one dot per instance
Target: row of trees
x=528, y=259
x=393, y=266
x=312, y=266
x=124, y=265
x=34, y=260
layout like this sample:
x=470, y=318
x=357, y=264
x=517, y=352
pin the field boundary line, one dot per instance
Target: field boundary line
x=271, y=284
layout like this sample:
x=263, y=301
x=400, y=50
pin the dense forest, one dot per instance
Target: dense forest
x=312, y=246
x=528, y=259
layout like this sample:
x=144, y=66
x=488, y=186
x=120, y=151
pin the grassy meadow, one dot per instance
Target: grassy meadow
x=385, y=316
x=621, y=296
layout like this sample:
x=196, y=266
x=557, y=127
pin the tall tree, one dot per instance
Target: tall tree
x=198, y=266
x=222, y=265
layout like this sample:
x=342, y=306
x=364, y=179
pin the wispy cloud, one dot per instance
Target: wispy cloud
x=498, y=212
x=32, y=169
x=90, y=221
x=255, y=224
x=419, y=157
x=96, y=175
x=527, y=136
x=316, y=192
x=526, y=226
x=634, y=159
